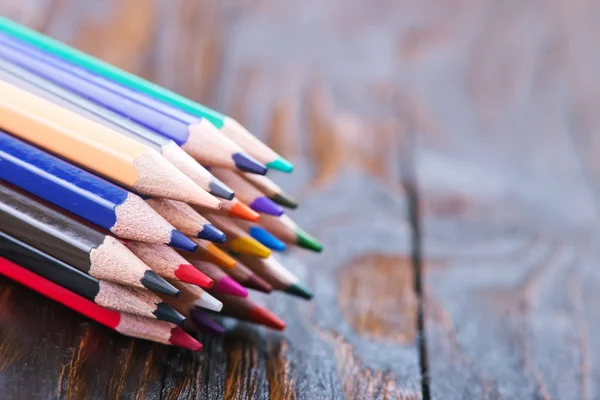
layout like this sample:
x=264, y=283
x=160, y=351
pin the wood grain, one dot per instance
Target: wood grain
x=314, y=103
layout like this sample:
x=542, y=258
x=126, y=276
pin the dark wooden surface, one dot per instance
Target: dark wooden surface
x=447, y=154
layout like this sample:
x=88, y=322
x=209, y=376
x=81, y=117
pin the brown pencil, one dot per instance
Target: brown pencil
x=245, y=309
x=191, y=295
x=74, y=243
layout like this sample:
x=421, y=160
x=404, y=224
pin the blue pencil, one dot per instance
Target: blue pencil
x=195, y=135
x=85, y=195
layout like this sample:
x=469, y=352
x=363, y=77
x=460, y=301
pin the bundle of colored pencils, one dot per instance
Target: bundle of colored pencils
x=131, y=204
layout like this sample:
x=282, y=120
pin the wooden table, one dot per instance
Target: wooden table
x=448, y=155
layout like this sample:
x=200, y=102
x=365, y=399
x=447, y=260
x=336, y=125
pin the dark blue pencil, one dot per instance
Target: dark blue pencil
x=195, y=135
x=85, y=195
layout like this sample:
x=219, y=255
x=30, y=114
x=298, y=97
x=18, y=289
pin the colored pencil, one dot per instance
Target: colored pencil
x=167, y=147
x=93, y=146
x=245, y=308
x=279, y=277
x=208, y=251
x=106, y=294
x=247, y=278
x=287, y=230
x=223, y=282
x=204, y=323
x=271, y=190
x=126, y=324
x=186, y=219
x=74, y=243
x=77, y=104
x=84, y=195
x=194, y=296
x=238, y=240
x=195, y=135
x=227, y=125
x=262, y=235
x=168, y=263
x=247, y=193
x=232, y=208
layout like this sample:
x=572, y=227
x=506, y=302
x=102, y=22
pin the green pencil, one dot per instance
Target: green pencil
x=227, y=125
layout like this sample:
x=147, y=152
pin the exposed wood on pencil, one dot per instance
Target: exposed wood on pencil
x=74, y=243
x=92, y=146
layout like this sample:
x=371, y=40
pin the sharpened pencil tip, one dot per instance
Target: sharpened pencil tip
x=266, y=206
x=155, y=283
x=166, y=313
x=180, y=338
x=181, y=242
x=281, y=164
x=245, y=162
x=307, y=241
x=228, y=285
x=209, y=302
x=265, y=317
x=249, y=246
x=284, y=199
x=298, y=290
x=190, y=274
x=265, y=237
x=211, y=233
x=219, y=189
x=205, y=323
x=242, y=211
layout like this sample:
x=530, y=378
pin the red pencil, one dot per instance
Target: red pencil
x=126, y=324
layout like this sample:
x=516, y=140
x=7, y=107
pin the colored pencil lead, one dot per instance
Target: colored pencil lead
x=189, y=274
x=228, y=285
x=182, y=242
x=281, y=164
x=219, y=189
x=266, y=238
x=180, y=338
x=211, y=233
x=155, y=283
x=205, y=323
x=283, y=199
x=246, y=163
x=263, y=316
x=308, y=241
x=242, y=211
x=266, y=206
x=248, y=246
x=298, y=290
x=166, y=313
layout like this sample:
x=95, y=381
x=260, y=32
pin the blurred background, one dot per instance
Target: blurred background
x=448, y=155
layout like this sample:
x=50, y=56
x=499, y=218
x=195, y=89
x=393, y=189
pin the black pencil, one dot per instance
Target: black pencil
x=78, y=245
x=106, y=294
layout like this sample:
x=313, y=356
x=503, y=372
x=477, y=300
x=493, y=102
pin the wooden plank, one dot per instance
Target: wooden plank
x=510, y=221
x=303, y=91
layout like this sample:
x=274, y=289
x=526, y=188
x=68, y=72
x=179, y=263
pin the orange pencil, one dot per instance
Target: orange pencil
x=207, y=251
x=93, y=146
